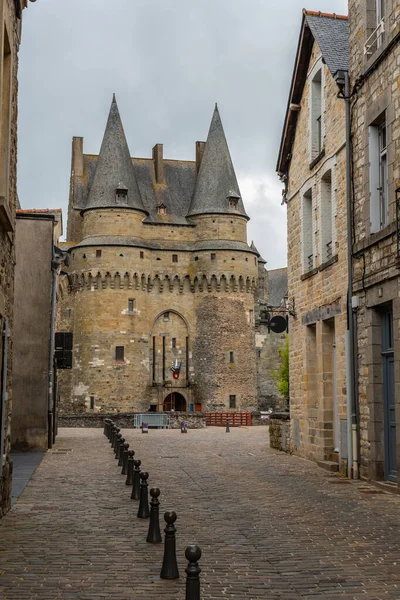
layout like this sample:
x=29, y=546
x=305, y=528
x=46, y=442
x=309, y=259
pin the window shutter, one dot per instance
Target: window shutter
x=373, y=136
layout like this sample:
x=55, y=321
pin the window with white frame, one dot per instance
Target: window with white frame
x=378, y=175
x=307, y=233
x=326, y=217
x=376, y=13
x=316, y=115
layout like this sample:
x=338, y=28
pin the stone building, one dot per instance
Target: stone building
x=159, y=275
x=10, y=36
x=312, y=165
x=37, y=263
x=374, y=64
x=272, y=294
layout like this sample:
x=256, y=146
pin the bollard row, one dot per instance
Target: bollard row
x=139, y=482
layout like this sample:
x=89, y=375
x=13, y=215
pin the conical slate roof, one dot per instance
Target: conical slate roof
x=114, y=165
x=216, y=181
x=260, y=258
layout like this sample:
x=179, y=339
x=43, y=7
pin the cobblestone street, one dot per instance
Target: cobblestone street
x=270, y=525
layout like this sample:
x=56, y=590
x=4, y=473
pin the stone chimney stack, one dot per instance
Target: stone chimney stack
x=77, y=156
x=158, y=163
x=199, y=154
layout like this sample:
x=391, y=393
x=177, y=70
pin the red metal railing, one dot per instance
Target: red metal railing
x=236, y=419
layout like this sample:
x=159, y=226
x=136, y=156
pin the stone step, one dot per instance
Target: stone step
x=328, y=465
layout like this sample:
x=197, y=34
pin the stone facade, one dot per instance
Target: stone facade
x=159, y=273
x=272, y=292
x=10, y=35
x=37, y=234
x=312, y=165
x=375, y=80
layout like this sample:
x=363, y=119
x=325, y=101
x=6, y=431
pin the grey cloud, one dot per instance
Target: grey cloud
x=168, y=62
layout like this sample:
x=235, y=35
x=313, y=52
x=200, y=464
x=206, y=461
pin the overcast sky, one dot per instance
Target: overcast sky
x=168, y=61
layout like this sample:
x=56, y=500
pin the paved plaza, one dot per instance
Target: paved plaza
x=270, y=525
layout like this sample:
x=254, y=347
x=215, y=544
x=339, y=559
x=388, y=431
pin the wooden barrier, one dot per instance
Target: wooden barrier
x=236, y=419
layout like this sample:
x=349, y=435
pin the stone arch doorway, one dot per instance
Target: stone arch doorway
x=175, y=401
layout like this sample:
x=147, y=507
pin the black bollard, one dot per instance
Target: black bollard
x=117, y=437
x=193, y=554
x=129, y=470
x=227, y=430
x=110, y=428
x=169, y=569
x=135, y=495
x=122, y=448
x=114, y=436
x=154, y=534
x=105, y=426
x=143, y=511
x=124, y=461
x=119, y=448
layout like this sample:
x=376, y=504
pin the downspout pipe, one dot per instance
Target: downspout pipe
x=352, y=433
x=56, y=262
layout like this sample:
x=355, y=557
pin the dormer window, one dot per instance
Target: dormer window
x=121, y=193
x=161, y=209
x=233, y=200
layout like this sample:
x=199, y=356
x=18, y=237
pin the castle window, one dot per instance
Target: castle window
x=121, y=194
x=166, y=316
x=84, y=256
x=131, y=304
x=174, y=258
x=258, y=353
x=246, y=259
x=233, y=200
x=158, y=258
x=213, y=256
x=91, y=402
x=255, y=260
x=233, y=259
x=251, y=317
x=141, y=254
x=98, y=253
x=232, y=401
x=161, y=209
x=196, y=258
x=119, y=353
x=231, y=357
x=173, y=344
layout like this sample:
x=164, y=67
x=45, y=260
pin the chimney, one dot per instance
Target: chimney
x=199, y=154
x=158, y=163
x=77, y=156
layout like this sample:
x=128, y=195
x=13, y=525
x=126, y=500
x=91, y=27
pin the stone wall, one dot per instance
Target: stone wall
x=279, y=431
x=11, y=26
x=319, y=294
x=126, y=420
x=376, y=266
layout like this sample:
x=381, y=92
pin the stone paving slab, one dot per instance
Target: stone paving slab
x=270, y=525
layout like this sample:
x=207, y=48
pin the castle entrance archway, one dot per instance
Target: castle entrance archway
x=175, y=401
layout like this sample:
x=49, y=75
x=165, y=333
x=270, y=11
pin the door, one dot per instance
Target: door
x=389, y=412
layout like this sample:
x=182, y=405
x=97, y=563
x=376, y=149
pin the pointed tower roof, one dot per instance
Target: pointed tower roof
x=260, y=258
x=216, y=182
x=114, y=166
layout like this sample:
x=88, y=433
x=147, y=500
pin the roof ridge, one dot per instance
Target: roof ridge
x=314, y=13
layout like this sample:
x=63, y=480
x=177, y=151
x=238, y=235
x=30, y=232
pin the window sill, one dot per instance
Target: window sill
x=309, y=274
x=317, y=159
x=328, y=263
x=374, y=238
x=6, y=219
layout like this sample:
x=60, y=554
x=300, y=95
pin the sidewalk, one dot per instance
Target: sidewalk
x=270, y=525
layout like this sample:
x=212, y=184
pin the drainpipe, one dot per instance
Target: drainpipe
x=343, y=81
x=56, y=263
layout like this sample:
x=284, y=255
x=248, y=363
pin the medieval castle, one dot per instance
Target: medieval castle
x=160, y=284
